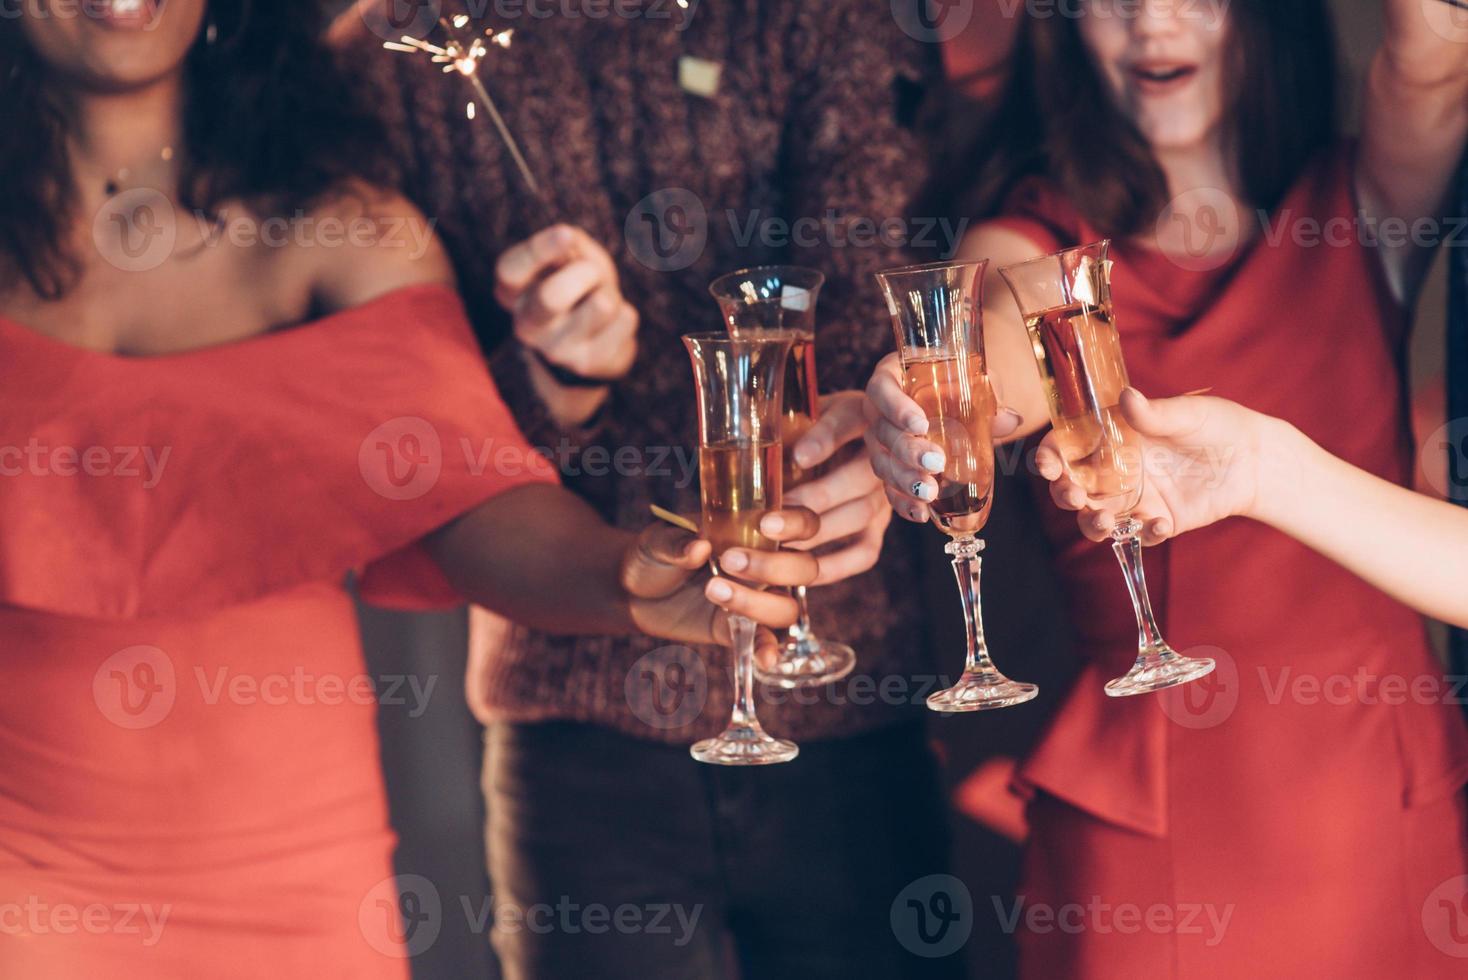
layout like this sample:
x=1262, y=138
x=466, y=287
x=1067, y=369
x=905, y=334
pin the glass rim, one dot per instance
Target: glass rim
x=1104, y=244
x=752, y=339
x=747, y=271
x=931, y=267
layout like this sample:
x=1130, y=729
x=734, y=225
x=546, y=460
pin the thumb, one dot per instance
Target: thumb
x=661, y=561
x=1166, y=418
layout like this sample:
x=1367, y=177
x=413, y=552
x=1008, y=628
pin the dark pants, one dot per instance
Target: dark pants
x=616, y=858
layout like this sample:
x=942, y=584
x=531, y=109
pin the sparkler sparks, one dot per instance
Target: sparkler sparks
x=462, y=55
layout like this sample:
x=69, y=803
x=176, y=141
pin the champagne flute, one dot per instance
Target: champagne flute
x=1066, y=302
x=740, y=381
x=782, y=298
x=936, y=314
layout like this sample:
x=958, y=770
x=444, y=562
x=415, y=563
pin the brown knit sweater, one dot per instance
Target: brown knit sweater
x=809, y=119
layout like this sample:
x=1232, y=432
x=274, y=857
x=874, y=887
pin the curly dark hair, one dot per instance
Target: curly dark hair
x=269, y=119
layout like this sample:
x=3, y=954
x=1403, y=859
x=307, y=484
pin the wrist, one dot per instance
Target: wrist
x=570, y=407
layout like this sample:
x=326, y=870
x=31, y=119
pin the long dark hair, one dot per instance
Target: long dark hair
x=1055, y=118
x=269, y=120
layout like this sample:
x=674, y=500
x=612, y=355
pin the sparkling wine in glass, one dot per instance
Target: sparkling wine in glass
x=782, y=299
x=1065, y=299
x=936, y=313
x=740, y=384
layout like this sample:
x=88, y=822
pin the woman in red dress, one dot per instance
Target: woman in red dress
x=231, y=372
x=1299, y=813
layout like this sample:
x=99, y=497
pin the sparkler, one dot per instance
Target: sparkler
x=461, y=55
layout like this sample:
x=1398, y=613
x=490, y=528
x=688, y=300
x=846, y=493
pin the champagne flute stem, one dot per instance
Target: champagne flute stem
x=1127, y=543
x=801, y=631
x=741, y=638
x=966, y=566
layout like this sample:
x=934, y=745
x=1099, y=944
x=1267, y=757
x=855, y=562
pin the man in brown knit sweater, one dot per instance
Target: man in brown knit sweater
x=672, y=145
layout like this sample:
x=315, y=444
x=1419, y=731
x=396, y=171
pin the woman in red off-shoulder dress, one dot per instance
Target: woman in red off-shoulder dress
x=231, y=373
x=1300, y=811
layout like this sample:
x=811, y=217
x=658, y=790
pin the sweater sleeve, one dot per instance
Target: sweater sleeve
x=856, y=159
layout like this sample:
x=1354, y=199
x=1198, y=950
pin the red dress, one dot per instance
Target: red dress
x=190, y=783
x=1299, y=812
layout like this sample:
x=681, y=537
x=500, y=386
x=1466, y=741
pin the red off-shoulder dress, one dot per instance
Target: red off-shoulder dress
x=189, y=779
x=1298, y=813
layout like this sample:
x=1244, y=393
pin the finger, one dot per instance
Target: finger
x=597, y=340
x=909, y=509
x=912, y=451
x=774, y=609
x=913, y=485
x=1048, y=460
x=1164, y=417
x=843, y=564
x=1097, y=524
x=544, y=306
x=782, y=568
x=662, y=561
x=1067, y=495
x=1156, y=531
x=852, y=517
x=891, y=402
x=843, y=419
x=850, y=481
x=767, y=648
x=522, y=264
x=1006, y=423
x=790, y=524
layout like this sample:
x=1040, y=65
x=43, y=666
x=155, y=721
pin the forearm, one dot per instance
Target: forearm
x=1410, y=546
x=541, y=556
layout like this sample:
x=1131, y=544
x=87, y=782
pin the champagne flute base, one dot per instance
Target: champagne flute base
x=808, y=663
x=744, y=745
x=982, y=691
x=1158, y=670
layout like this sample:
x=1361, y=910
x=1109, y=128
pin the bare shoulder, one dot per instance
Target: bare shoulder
x=369, y=242
x=999, y=244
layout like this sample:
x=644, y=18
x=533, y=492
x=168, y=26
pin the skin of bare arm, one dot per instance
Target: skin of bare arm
x=1414, y=125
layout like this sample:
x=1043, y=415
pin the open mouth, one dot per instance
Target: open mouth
x=1156, y=77
x=128, y=14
